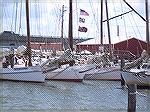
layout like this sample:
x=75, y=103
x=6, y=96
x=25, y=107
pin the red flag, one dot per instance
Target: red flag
x=83, y=12
x=82, y=29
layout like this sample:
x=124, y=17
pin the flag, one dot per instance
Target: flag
x=81, y=20
x=82, y=29
x=83, y=12
x=117, y=30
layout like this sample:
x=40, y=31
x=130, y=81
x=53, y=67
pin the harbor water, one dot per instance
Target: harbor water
x=56, y=96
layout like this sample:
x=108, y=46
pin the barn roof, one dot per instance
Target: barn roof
x=96, y=41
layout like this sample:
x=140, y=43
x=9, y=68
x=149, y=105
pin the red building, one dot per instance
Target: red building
x=46, y=46
x=92, y=45
x=133, y=45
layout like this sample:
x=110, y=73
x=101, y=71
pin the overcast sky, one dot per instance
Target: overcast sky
x=45, y=18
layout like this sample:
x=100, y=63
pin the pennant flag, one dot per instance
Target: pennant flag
x=81, y=20
x=83, y=12
x=82, y=29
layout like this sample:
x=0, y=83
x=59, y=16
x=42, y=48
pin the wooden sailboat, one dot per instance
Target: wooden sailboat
x=30, y=73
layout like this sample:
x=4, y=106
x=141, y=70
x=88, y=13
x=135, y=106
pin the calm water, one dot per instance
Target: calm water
x=89, y=96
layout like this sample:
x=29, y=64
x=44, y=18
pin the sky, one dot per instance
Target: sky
x=45, y=18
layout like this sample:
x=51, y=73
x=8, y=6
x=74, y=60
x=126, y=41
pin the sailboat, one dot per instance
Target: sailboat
x=30, y=73
x=75, y=73
x=137, y=76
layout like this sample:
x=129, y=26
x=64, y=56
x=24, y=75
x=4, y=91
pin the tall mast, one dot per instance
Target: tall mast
x=62, y=25
x=147, y=27
x=70, y=35
x=28, y=34
x=101, y=22
x=109, y=39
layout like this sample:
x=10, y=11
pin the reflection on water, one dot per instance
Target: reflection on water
x=89, y=96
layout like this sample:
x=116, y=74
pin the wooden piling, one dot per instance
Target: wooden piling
x=132, y=97
x=122, y=81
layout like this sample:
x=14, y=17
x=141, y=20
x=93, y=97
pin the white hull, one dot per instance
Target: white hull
x=73, y=73
x=30, y=74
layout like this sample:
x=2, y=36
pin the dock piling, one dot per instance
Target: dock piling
x=132, y=97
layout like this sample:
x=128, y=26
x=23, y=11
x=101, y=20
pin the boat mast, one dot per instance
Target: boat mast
x=28, y=34
x=109, y=39
x=101, y=22
x=70, y=34
x=62, y=25
x=147, y=28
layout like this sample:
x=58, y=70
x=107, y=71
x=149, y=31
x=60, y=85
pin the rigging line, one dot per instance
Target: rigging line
x=134, y=10
x=123, y=19
x=12, y=16
x=47, y=19
x=15, y=36
x=124, y=25
x=115, y=12
x=138, y=32
x=5, y=16
x=20, y=17
x=16, y=14
x=118, y=15
x=116, y=21
x=78, y=37
x=132, y=25
x=57, y=20
x=77, y=18
x=36, y=16
x=94, y=14
x=38, y=13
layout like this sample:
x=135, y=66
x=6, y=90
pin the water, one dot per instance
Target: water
x=55, y=96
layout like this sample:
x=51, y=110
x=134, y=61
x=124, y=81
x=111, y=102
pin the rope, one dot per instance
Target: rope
x=124, y=25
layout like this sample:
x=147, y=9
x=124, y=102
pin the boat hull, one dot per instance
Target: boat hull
x=141, y=80
x=70, y=74
x=22, y=74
